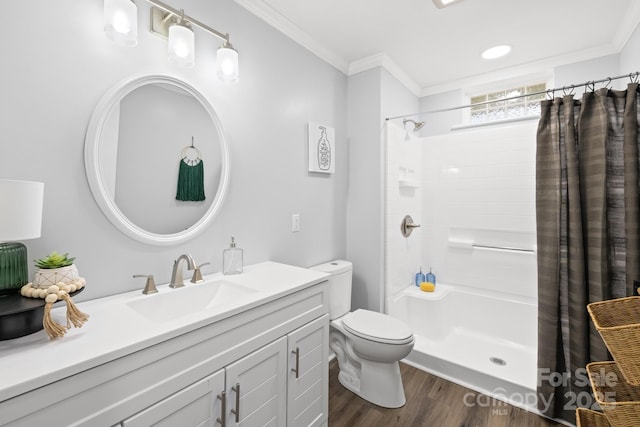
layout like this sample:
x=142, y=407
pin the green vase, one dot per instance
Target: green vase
x=13, y=266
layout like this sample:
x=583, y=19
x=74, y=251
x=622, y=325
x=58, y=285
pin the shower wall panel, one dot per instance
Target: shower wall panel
x=403, y=196
x=478, y=208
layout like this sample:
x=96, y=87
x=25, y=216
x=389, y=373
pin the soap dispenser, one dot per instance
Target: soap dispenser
x=232, y=259
x=431, y=277
x=419, y=277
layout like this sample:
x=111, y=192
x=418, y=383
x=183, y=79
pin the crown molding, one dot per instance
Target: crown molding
x=265, y=12
x=627, y=26
x=382, y=60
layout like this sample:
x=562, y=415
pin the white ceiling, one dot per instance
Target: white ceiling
x=429, y=48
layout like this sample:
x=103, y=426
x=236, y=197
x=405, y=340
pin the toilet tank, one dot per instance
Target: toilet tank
x=339, y=286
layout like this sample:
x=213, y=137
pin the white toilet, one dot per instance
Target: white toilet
x=367, y=344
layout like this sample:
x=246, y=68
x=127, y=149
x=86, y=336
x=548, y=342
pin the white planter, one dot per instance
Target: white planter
x=46, y=277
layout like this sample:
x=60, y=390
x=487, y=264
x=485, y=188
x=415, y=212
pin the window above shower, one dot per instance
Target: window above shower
x=509, y=103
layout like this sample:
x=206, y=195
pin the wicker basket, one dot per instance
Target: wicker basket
x=619, y=400
x=618, y=322
x=588, y=418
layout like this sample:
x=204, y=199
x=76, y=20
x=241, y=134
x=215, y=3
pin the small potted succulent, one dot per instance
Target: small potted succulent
x=54, y=268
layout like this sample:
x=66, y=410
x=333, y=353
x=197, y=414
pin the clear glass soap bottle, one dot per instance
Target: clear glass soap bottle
x=232, y=259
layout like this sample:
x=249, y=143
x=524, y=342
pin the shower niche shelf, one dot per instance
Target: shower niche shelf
x=406, y=183
x=407, y=178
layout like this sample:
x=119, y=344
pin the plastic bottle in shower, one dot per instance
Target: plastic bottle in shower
x=324, y=150
x=430, y=277
x=419, y=277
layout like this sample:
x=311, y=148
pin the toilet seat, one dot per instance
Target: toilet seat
x=377, y=327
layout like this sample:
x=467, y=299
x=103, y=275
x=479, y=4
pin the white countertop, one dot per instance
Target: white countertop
x=115, y=330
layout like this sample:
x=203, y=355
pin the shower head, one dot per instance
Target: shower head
x=416, y=125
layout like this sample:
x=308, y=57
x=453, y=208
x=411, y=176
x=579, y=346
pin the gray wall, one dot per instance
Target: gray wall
x=439, y=123
x=594, y=69
x=364, y=215
x=373, y=96
x=55, y=72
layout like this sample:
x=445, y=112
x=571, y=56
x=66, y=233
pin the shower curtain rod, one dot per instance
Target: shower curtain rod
x=550, y=92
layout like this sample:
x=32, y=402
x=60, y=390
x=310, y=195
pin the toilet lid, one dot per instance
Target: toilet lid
x=377, y=327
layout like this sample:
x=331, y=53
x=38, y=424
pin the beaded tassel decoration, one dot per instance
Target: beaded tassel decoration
x=59, y=291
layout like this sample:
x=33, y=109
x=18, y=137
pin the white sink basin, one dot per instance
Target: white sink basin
x=169, y=304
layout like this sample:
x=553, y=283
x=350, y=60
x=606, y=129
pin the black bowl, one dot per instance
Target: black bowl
x=20, y=316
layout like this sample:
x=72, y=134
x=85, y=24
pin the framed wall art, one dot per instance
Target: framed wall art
x=321, y=148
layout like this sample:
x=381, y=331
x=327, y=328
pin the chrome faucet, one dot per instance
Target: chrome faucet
x=176, y=276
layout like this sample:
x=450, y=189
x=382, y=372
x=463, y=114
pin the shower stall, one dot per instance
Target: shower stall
x=472, y=191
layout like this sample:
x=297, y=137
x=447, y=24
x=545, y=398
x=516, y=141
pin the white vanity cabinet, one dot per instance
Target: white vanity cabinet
x=178, y=381
x=263, y=388
x=255, y=395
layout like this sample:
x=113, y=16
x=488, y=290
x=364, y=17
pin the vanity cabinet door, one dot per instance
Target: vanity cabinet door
x=257, y=387
x=195, y=406
x=308, y=384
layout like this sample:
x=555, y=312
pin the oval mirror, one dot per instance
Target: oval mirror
x=156, y=159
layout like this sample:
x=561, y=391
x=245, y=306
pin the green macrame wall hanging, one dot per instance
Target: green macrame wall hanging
x=191, y=175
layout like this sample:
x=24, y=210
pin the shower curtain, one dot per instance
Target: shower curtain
x=587, y=209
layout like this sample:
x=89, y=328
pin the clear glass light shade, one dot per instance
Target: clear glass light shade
x=121, y=22
x=181, y=46
x=227, y=64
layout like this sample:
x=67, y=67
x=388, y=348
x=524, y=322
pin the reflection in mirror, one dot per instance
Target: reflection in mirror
x=155, y=123
x=138, y=136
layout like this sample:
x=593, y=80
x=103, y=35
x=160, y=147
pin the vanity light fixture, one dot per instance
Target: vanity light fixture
x=121, y=21
x=176, y=26
x=181, y=46
x=227, y=63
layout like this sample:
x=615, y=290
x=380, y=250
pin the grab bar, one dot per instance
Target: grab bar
x=470, y=244
x=502, y=248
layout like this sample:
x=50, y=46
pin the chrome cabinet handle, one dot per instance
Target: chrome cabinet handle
x=297, y=368
x=236, y=410
x=222, y=419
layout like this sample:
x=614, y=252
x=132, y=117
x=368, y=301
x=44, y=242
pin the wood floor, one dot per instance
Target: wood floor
x=431, y=402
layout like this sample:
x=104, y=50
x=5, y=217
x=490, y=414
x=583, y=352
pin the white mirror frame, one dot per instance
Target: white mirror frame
x=95, y=178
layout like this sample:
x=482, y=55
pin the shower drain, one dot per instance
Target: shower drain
x=498, y=361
